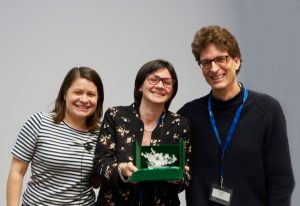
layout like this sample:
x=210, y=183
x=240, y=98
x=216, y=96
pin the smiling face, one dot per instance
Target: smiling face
x=81, y=100
x=160, y=92
x=221, y=77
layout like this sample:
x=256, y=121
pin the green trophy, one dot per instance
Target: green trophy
x=162, y=162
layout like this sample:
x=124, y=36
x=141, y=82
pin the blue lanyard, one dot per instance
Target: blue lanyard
x=231, y=130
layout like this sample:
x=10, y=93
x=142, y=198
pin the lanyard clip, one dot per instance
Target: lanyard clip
x=221, y=181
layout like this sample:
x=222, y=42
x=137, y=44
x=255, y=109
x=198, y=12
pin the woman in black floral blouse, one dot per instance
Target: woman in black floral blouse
x=149, y=122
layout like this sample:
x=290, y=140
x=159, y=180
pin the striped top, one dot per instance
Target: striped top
x=61, y=162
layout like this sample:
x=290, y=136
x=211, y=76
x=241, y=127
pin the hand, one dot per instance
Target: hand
x=186, y=169
x=127, y=168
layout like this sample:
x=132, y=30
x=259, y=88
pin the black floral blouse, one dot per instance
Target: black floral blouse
x=120, y=127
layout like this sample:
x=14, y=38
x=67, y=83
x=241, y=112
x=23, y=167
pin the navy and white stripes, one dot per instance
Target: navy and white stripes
x=60, y=162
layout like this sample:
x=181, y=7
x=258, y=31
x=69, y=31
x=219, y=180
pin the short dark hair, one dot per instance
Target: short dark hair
x=90, y=74
x=147, y=69
x=218, y=36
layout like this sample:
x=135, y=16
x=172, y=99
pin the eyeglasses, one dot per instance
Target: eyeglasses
x=219, y=60
x=154, y=80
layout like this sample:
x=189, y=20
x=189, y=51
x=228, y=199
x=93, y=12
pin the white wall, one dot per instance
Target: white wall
x=41, y=40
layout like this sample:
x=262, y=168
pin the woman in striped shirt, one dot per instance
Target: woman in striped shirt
x=60, y=146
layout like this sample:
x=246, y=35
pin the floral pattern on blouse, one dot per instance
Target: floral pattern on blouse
x=120, y=127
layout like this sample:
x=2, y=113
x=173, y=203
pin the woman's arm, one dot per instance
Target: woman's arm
x=105, y=165
x=15, y=182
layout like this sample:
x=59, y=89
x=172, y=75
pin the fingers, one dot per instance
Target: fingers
x=173, y=181
x=127, y=169
x=131, y=167
x=187, y=168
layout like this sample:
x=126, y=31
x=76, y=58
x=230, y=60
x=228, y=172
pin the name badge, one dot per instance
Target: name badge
x=220, y=195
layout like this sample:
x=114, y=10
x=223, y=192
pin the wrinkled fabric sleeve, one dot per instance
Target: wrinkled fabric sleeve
x=105, y=165
x=26, y=143
x=279, y=173
x=186, y=134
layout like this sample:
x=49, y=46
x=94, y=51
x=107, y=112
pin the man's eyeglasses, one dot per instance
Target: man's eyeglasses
x=154, y=80
x=219, y=60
